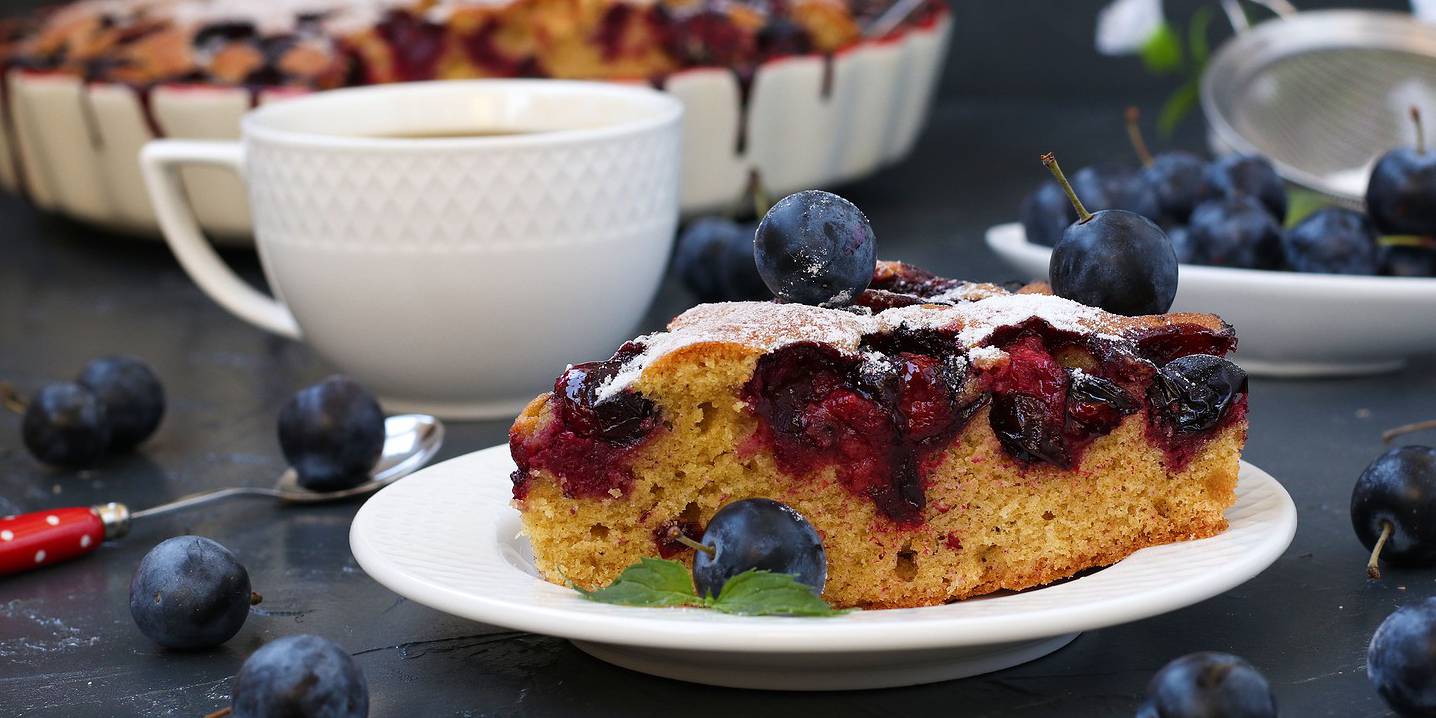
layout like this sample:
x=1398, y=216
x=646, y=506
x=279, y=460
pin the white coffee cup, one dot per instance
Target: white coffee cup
x=454, y=275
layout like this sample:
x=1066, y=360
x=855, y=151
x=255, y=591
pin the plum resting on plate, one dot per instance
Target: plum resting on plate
x=1332, y=240
x=1046, y=213
x=1401, y=195
x=760, y=534
x=1236, y=232
x=1247, y=175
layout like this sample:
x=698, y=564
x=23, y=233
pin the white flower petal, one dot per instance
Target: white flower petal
x=1424, y=10
x=1124, y=26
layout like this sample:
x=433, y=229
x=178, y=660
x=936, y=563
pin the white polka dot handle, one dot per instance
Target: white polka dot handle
x=48, y=537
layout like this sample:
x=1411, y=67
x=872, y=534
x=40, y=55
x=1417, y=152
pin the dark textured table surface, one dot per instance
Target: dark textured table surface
x=68, y=293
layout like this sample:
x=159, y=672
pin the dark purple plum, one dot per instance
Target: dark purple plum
x=714, y=258
x=1401, y=659
x=1247, y=175
x=760, y=534
x=132, y=394
x=65, y=425
x=1395, y=498
x=1208, y=685
x=300, y=676
x=189, y=593
x=1046, y=213
x=1401, y=194
x=332, y=433
x=814, y=247
x=1236, y=232
x=1332, y=240
x=1115, y=187
x=1117, y=260
x=1194, y=392
x=1176, y=178
x=1408, y=261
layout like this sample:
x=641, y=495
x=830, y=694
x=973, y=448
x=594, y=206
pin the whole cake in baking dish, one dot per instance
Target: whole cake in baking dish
x=947, y=439
x=333, y=43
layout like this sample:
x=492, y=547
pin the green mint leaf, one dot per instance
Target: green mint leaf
x=764, y=593
x=1178, y=106
x=1197, y=43
x=1162, y=53
x=650, y=582
x=1302, y=203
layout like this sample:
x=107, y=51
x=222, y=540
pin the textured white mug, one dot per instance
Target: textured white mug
x=451, y=274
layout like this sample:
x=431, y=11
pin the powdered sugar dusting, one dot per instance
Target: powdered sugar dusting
x=765, y=326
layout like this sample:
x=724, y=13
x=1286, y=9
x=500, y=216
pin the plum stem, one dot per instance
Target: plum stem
x=255, y=599
x=678, y=536
x=1390, y=434
x=221, y=713
x=1373, y=566
x=1420, y=129
x=1134, y=133
x=1051, y=161
x=11, y=399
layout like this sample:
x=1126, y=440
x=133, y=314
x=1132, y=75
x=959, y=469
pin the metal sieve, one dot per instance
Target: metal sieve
x=1323, y=94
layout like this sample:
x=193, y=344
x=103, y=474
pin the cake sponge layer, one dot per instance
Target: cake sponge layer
x=990, y=521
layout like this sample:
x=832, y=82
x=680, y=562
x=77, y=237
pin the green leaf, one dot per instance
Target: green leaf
x=764, y=593
x=1197, y=44
x=1301, y=203
x=1162, y=54
x=650, y=582
x=1178, y=106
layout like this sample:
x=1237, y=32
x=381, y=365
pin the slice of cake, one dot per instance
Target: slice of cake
x=947, y=439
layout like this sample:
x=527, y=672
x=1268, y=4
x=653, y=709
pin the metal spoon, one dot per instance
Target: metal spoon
x=42, y=538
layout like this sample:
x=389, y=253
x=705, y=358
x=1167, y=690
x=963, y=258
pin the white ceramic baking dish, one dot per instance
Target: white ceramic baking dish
x=807, y=121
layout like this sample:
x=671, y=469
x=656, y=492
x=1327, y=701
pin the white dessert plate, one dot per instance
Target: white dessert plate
x=1290, y=324
x=447, y=537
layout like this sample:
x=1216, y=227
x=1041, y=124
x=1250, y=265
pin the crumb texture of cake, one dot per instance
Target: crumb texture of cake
x=978, y=441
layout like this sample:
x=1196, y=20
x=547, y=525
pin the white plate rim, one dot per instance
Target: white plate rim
x=707, y=631
x=1010, y=240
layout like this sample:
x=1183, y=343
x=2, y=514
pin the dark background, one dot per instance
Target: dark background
x=1022, y=79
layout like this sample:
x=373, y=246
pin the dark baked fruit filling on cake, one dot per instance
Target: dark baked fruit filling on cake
x=330, y=43
x=946, y=438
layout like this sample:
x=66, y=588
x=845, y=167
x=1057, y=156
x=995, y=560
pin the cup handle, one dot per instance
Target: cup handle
x=160, y=160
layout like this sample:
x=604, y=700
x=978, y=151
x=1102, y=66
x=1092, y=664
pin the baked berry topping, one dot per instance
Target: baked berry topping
x=417, y=44
x=874, y=418
x=1028, y=403
x=1094, y=405
x=591, y=437
x=1189, y=399
x=708, y=38
x=782, y=37
x=1194, y=392
x=622, y=419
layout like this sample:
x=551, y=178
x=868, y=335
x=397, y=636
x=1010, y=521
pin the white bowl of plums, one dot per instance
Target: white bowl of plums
x=1314, y=289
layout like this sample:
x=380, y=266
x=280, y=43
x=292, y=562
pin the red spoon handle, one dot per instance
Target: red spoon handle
x=44, y=537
